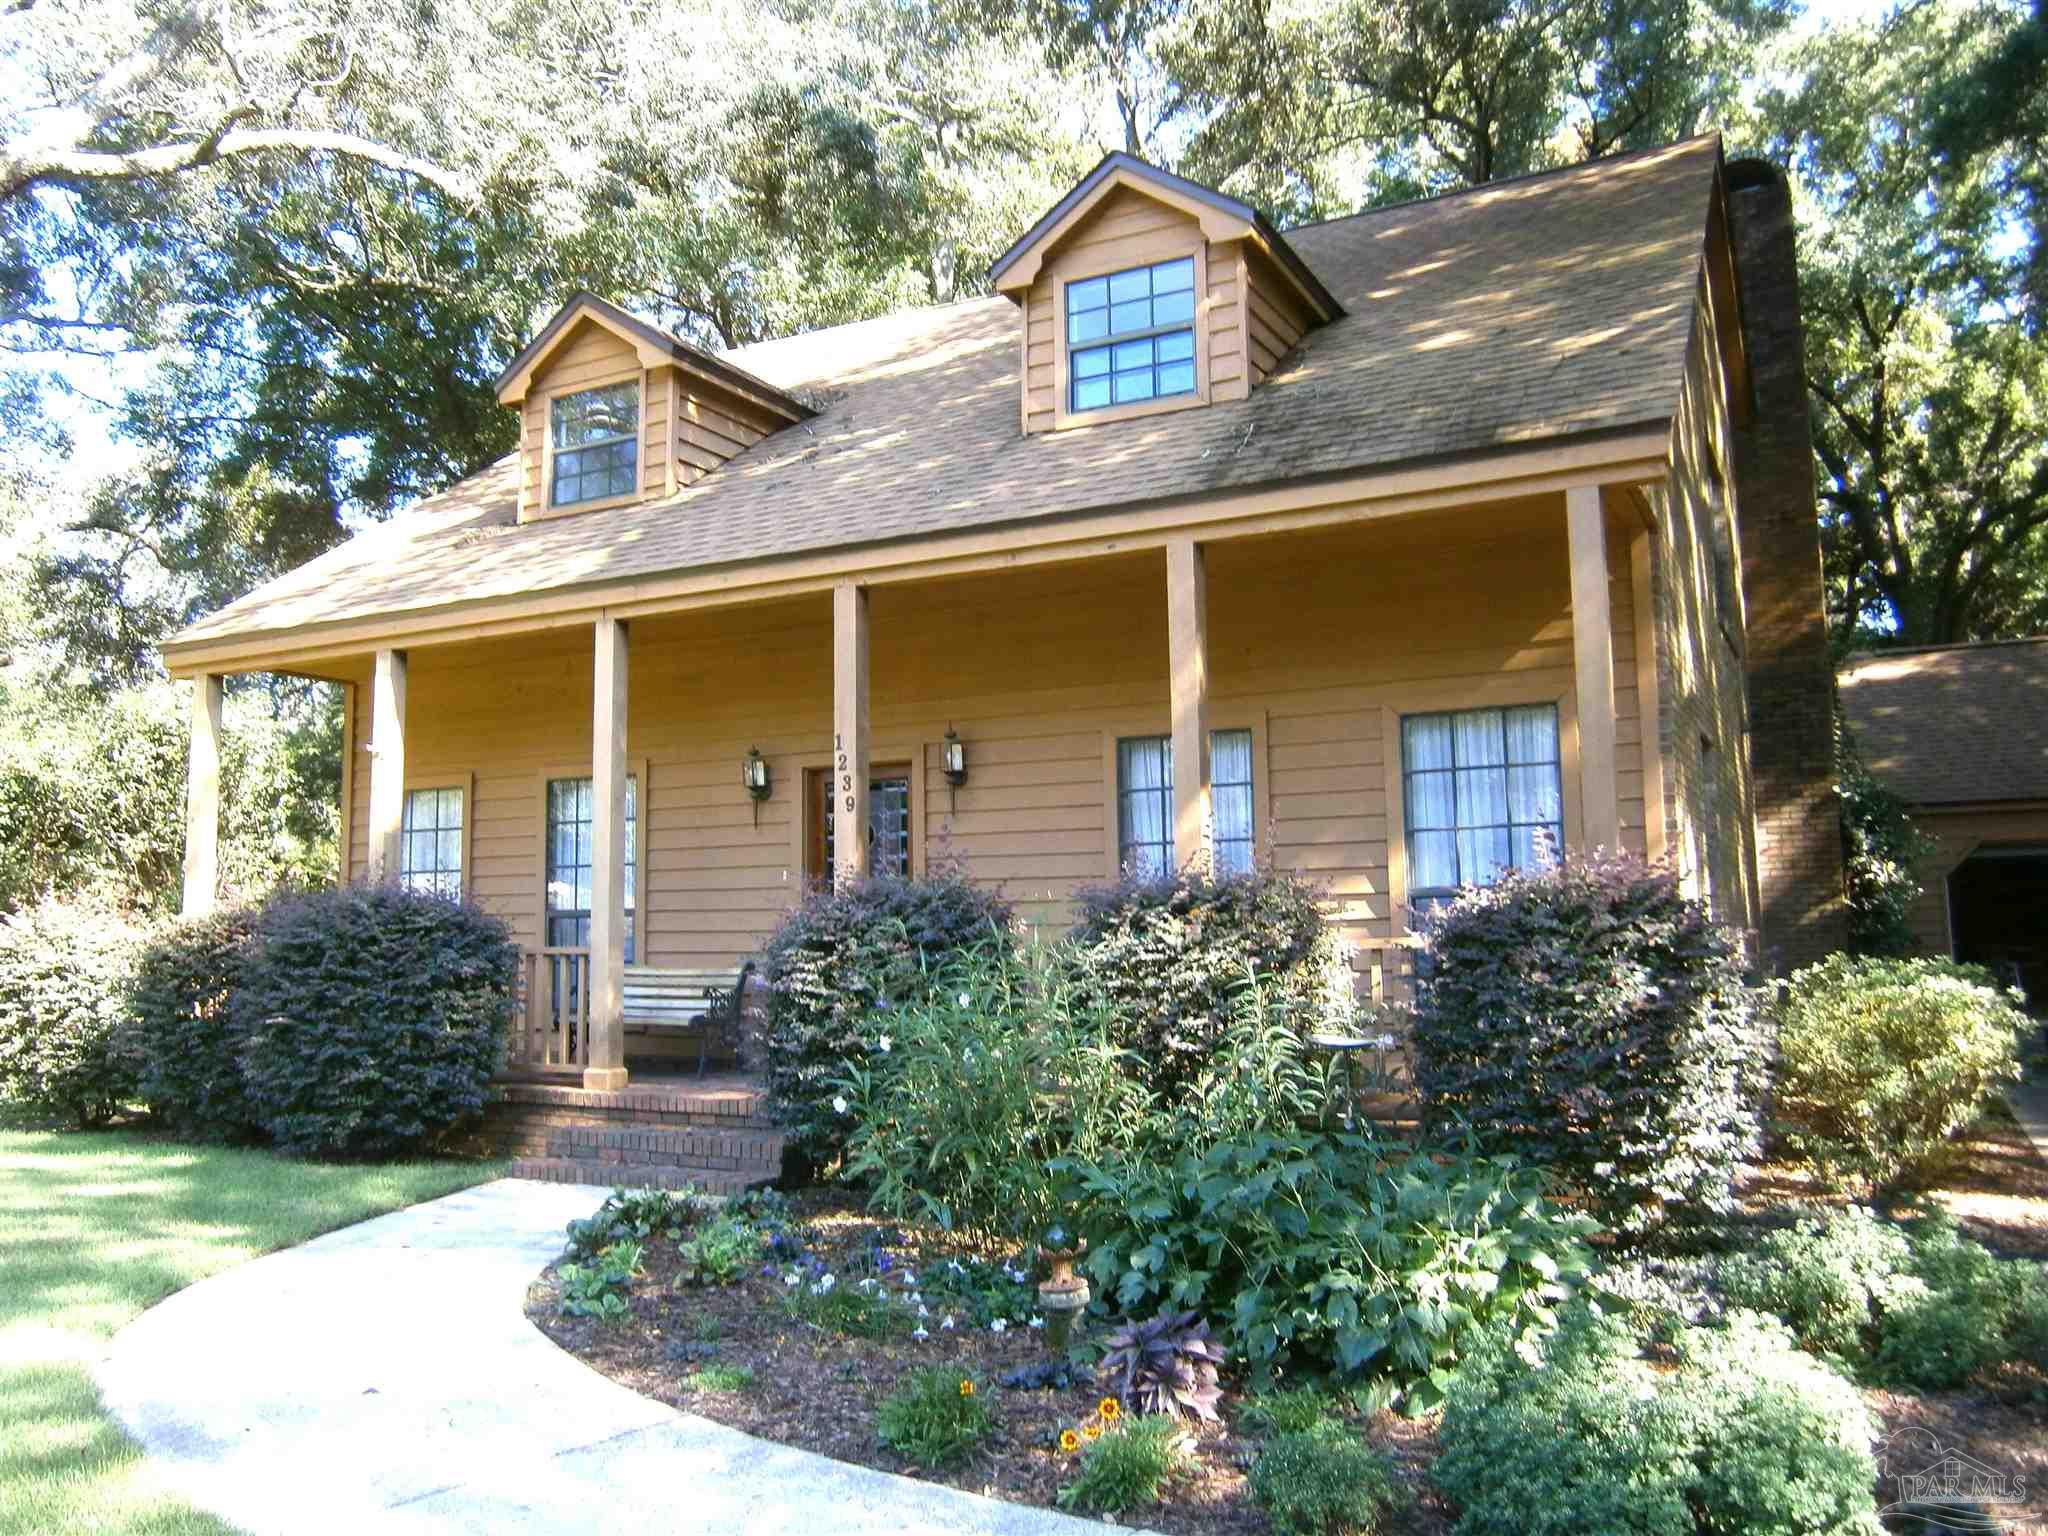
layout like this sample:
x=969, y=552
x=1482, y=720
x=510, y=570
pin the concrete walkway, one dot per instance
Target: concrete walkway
x=384, y=1379
x=2028, y=1101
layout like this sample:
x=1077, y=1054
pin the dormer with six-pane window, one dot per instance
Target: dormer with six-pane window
x=1142, y=292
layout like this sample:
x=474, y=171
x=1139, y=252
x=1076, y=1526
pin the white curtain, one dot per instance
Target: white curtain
x=1535, y=794
x=1145, y=804
x=1230, y=778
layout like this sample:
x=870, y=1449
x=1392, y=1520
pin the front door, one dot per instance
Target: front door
x=888, y=821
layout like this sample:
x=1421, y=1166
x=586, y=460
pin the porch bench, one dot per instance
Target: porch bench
x=661, y=999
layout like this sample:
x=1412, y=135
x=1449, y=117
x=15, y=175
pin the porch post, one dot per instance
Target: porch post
x=387, y=764
x=1187, y=631
x=605, y=1063
x=202, y=799
x=849, y=732
x=1593, y=667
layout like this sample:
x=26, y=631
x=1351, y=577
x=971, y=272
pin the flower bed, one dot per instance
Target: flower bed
x=843, y=1310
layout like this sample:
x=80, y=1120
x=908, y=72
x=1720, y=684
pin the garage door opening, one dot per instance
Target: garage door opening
x=1998, y=914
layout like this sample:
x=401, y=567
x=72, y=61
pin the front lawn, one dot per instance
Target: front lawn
x=98, y=1227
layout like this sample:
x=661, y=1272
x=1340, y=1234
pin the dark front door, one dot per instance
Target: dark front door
x=888, y=821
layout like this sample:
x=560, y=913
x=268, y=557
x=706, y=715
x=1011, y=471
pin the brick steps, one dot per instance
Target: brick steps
x=562, y=1170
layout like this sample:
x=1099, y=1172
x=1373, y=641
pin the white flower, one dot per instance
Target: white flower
x=924, y=1311
x=825, y=1283
x=921, y=1333
x=1038, y=1322
x=918, y=1297
x=946, y=1322
x=792, y=1279
x=997, y=1326
x=966, y=1001
x=884, y=1043
x=839, y=1102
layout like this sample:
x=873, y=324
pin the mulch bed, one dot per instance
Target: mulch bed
x=819, y=1390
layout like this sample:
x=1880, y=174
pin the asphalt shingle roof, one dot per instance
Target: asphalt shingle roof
x=1953, y=724
x=1551, y=306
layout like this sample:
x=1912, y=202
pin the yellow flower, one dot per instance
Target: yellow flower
x=1109, y=1410
x=966, y=1388
x=1069, y=1441
x=1091, y=1432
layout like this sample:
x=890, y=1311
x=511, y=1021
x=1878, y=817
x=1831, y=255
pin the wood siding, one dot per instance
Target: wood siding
x=1318, y=643
x=1956, y=835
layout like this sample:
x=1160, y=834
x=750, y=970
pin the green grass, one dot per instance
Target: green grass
x=721, y=1378
x=99, y=1226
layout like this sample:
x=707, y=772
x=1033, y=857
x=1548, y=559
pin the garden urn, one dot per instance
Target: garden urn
x=1062, y=1295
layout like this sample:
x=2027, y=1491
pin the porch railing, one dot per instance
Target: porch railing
x=551, y=1030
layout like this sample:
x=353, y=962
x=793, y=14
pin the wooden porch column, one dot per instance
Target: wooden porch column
x=849, y=732
x=202, y=799
x=605, y=1063
x=387, y=764
x=1593, y=666
x=1187, y=634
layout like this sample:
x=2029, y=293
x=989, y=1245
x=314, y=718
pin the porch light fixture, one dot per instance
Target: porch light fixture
x=954, y=758
x=754, y=774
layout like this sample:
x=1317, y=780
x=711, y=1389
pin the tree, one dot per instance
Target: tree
x=1930, y=395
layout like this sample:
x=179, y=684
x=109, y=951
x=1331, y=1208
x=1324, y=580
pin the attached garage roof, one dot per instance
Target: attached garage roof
x=1531, y=310
x=1953, y=724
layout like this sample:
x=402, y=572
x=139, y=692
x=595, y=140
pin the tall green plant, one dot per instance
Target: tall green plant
x=1882, y=848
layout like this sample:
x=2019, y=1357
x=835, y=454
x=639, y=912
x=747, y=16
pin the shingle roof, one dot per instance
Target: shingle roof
x=1550, y=306
x=1953, y=724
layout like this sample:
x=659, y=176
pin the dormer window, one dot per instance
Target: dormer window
x=595, y=434
x=1130, y=335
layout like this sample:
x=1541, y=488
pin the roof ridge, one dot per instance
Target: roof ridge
x=1577, y=166
x=1947, y=645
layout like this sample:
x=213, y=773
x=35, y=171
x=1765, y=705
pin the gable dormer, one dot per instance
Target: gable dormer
x=613, y=410
x=1141, y=292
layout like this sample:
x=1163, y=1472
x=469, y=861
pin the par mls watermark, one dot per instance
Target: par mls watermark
x=1934, y=1487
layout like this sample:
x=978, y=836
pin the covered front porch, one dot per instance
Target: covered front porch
x=646, y=787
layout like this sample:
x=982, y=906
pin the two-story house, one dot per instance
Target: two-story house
x=1395, y=549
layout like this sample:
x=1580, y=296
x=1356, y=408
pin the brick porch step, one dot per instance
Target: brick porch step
x=661, y=1147
x=712, y=1181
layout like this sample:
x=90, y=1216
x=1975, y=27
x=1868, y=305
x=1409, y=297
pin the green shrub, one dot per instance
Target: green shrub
x=63, y=972
x=598, y=1289
x=372, y=1019
x=1326, y=1253
x=721, y=1378
x=984, y=1081
x=1165, y=959
x=933, y=1419
x=179, y=1033
x=637, y=1215
x=835, y=969
x=1320, y=1481
x=1590, y=1019
x=1882, y=850
x=1881, y=1062
x=1294, y=1411
x=1747, y=1434
x=1127, y=1466
x=1917, y=1305
x=720, y=1251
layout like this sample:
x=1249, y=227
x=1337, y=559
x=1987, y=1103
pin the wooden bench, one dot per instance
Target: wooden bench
x=659, y=999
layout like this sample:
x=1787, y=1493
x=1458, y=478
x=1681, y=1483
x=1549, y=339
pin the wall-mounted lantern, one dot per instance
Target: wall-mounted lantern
x=954, y=758
x=754, y=774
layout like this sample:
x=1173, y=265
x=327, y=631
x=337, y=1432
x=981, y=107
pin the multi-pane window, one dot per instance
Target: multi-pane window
x=888, y=825
x=571, y=848
x=596, y=434
x=1144, y=794
x=1130, y=336
x=1481, y=793
x=430, y=842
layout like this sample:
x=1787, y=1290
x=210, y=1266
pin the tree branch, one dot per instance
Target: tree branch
x=23, y=169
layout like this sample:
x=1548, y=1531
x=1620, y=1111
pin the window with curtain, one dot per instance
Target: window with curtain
x=570, y=850
x=430, y=842
x=1144, y=774
x=1482, y=793
x=596, y=444
x=1130, y=336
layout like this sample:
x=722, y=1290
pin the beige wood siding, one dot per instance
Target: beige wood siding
x=1956, y=835
x=591, y=356
x=1317, y=642
x=1275, y=318
x=713, y=425
x=1229, y=375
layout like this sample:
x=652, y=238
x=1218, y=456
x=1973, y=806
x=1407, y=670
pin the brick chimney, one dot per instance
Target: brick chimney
x=1791, y=676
